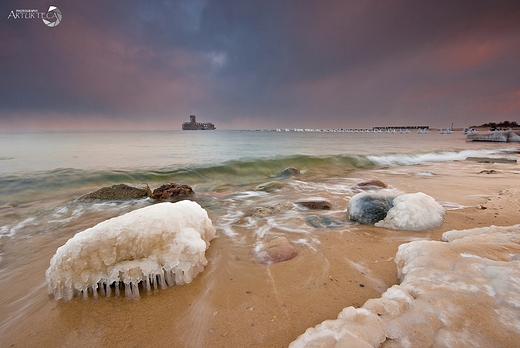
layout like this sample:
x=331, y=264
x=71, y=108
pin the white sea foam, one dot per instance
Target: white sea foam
x=464, y=292
x=12, y=230
x=405, y=159
x=159, y=245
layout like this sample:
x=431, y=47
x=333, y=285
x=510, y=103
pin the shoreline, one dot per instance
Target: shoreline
x=237, y=302
x=252, y=304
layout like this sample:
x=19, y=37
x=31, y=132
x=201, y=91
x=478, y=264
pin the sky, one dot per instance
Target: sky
x=263, y=64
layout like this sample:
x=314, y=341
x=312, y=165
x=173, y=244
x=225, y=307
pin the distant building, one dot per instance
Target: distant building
x=194, y=125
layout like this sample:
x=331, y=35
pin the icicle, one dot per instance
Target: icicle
x=95, y=293
x=135, y=290
x=148, y=284
x=168, y=277
x=128, y=290
x=101, y=286
x=154, y=281
x=117, y=289
x=109, y=289
x=161, y=280
x=85, y=294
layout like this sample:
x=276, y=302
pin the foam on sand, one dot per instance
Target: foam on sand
x=163, y=244
x=463, y=292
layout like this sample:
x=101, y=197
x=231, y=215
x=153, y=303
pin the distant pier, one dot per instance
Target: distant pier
x=194, y=125
x=386, y=129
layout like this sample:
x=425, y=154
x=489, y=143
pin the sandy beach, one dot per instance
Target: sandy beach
x=236, y=302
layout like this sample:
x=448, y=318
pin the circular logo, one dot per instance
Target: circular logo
x=54, y=14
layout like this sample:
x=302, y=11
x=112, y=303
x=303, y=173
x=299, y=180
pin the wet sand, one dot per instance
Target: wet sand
x=236, y=302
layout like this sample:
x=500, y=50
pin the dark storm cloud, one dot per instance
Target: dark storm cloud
x=249, y=64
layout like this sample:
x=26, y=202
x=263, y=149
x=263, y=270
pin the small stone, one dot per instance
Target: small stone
x=269, y=186
x=271, y=210
x=119, y=192
x=276, y=250
x=288, y=172
x=316, y=205
x=172, y=191
x=370, y=185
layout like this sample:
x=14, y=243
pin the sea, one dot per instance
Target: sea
x=42, y=175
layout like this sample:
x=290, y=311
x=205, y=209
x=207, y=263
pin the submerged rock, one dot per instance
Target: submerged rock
x=288, y=172
x=118, y=192
x=271, y=210
x=368, y=208
x=269, y=186
x=172, y=191
x=370, y=185
x=322, y=221
x=276, y=250
x=316, y=205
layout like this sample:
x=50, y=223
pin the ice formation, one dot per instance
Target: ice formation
x=464, y=292
x=413, y=212
x=159, y=245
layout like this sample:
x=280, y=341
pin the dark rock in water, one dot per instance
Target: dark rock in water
x=322, y=221
x=119, y=192
x=492, y=171
x=271, y=210
x=288, y=172
x=370, y=185
x=368, y=209
x=269, y=186
x=276, y=250
x=172, y=191
x=317, y=205
x=491, y=160
x=315, y=221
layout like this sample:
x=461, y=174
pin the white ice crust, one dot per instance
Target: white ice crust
x=413, y=212
x=163, y=244
x=463, y=292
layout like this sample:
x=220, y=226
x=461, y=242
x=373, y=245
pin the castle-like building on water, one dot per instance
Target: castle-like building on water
x=194, y=125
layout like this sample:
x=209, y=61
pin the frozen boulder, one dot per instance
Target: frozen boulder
x=413, y=212
x=159, y=245
x=368, y=208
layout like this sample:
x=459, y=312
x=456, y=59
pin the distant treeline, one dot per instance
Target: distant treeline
x=493, y=125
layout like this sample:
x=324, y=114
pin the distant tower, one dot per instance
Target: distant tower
x=192, y=119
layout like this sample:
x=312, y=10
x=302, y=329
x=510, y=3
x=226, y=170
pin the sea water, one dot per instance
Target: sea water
x=43, y=173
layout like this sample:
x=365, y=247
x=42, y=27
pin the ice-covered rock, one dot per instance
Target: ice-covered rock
x=367, y=208
x=413, y=212
x=163, y=244
x=460, y=293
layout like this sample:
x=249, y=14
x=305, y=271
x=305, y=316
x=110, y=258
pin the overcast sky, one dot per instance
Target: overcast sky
x=260, y=64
